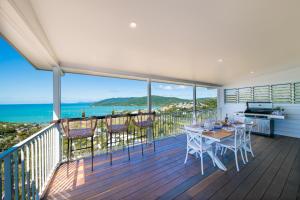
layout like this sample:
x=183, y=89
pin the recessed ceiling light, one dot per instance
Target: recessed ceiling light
x=251, y=72
x=132, y=25
x=220, y=60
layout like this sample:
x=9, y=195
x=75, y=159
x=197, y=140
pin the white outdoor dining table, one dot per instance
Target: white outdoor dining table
x=210, y=138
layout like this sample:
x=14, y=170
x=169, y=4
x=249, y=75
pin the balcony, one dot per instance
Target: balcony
x=248, y=52
x=30, y=166
x=37, y=168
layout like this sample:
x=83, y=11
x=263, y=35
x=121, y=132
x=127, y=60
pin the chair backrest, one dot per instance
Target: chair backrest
x=144, y=117
x=83, y=123
x=239, y=135
x=194, y=138
x=238, y=118
x=249, y=128
x=111, y=120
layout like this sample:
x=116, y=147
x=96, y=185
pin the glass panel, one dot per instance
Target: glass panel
x=96, y=96
x=281, y=93
x=245, y=94
x=230, y=95
x=297, y=92
x=206, y=98
x=261, y=93
x=174, y=105
x=172, y=97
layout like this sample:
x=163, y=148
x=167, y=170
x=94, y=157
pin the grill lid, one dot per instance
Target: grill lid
x=259, y=107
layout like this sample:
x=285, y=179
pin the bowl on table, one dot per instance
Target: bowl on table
x=218, y=126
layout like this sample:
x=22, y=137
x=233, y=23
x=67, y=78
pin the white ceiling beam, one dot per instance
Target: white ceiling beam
x=19, y=25
x=132, y=75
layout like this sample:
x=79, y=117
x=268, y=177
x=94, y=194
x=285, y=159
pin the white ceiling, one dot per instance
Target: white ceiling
x=180, y=39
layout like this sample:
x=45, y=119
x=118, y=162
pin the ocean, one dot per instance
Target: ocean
x=42, y=113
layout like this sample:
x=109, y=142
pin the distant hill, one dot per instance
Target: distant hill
x=156, y=100
x=140, y=101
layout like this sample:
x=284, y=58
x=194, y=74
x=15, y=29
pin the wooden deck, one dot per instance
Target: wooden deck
x=274, y=173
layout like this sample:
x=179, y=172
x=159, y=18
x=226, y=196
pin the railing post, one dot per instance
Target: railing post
x=7, y=178
x=60, y=138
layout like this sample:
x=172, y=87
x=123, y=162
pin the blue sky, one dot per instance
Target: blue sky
x=22, y=83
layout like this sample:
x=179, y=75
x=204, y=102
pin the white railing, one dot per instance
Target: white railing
x=29, y=165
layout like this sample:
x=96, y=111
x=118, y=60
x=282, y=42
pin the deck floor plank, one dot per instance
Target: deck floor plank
x=275, y=189
x=293, y=182
x=234, y=177
x=255, y=168
x=162, y=174
x=257, y=182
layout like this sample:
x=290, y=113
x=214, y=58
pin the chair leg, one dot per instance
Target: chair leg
x=186, y=156
x=92, y=146
x=153, y=138
x=133, y=137
x=214, y=163
x=68, y=151
x=107, y=143
x=246, y=152
x=241, y=150
x=225, y=151
x=128, y=150
x=201, y=155
x=123, y=141
x=110, y=148
x=250, y=146
x=216, y=150
x=71, y=149
x=142, y=142
x=236, y=160
x=146, y=136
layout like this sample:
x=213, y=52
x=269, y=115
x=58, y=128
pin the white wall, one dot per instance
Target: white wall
x=288, y=127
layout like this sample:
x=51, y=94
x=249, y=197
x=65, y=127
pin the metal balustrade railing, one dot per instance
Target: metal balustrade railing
x=27, y=167
x=167, y=124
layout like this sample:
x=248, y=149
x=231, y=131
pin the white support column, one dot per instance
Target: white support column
x=220, y=102
x=149, y=102
x=194, y=102
x=56, y=92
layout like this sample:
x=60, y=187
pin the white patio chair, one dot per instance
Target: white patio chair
x=195, y=145
x=235, y=144
x=247, y=140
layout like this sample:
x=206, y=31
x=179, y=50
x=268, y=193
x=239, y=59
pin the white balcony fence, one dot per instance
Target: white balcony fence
x=27, y=167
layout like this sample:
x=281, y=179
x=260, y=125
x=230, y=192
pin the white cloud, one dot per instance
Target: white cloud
x=166, y=87
x=169, y=87
x=181, y=87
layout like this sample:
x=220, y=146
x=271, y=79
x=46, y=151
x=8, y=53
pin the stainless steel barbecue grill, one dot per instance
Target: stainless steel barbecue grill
x=259, y=113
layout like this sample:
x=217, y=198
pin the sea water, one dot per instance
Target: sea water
x=42, y=113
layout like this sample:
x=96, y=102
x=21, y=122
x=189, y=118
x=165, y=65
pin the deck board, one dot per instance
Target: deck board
x=162, y=174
